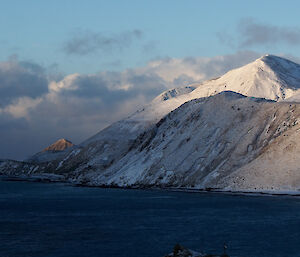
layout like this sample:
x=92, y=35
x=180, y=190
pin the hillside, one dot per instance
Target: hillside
x=227, y=141
x=236, y=132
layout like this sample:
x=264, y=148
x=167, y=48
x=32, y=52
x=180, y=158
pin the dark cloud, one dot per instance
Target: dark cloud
x=253, y=33
x=12, y=124
x=115, y=87
x=32, y=67
x=150, y=47
x=21, y=79
x=226, y=38
x=87, y=42
x=12, y=136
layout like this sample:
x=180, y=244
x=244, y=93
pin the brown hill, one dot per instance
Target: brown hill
x=59, y=145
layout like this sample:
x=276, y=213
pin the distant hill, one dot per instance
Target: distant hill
x=59, y=145
x=52, y=152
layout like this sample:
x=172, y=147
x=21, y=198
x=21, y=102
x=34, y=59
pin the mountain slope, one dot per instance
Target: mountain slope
x=206, y=142
x=268, y=77
x=200, y=136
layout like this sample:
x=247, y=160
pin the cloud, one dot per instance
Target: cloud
x=87, y=42
x=182, y=71
x=253, y=33
x=79, y=105
x=21, y=79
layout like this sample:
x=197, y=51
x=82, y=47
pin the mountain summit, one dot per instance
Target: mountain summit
x=52, y=152
x=59, y=145
x=269, y=77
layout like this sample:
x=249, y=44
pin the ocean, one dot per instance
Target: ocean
x=59, y=220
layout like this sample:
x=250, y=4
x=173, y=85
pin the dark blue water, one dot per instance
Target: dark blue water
x=44, y=220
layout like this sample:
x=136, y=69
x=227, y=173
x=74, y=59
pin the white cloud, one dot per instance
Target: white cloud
x=20, y=107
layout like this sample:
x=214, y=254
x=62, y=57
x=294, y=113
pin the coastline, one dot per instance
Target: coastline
x=53, y=178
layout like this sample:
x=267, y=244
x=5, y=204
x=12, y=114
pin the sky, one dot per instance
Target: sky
x=69, y=68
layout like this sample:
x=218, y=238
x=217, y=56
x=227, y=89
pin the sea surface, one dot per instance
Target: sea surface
x=58, y=220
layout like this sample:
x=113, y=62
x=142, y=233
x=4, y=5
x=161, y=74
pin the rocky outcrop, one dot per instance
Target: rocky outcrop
x=180, y=251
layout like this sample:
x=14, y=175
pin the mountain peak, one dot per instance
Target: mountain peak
x=267, y=56
x=277, y=62
x=270, y=77
x=270, y=57
x=59, y=145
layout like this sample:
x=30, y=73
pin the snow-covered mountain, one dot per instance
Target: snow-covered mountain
x=269, y=77
x=224, y=141
x=206, y=135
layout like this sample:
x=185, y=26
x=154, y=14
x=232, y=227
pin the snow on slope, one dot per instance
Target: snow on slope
x=111, y=156
x=143, y=118
x=213, y=143
x=269, y=77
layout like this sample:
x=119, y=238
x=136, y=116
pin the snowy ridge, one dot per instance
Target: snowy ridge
x=268, y=77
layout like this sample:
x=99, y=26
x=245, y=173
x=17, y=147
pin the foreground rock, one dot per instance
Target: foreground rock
x=180, y=251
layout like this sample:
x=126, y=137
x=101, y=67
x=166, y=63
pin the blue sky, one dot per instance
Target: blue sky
x=37, y=30
x=124, y=53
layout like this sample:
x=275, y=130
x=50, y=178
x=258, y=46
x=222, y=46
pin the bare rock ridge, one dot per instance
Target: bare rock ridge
x=238, y=132
x=59, y=145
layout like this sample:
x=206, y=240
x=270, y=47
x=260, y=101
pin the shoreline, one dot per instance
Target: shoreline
x=60, y=179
